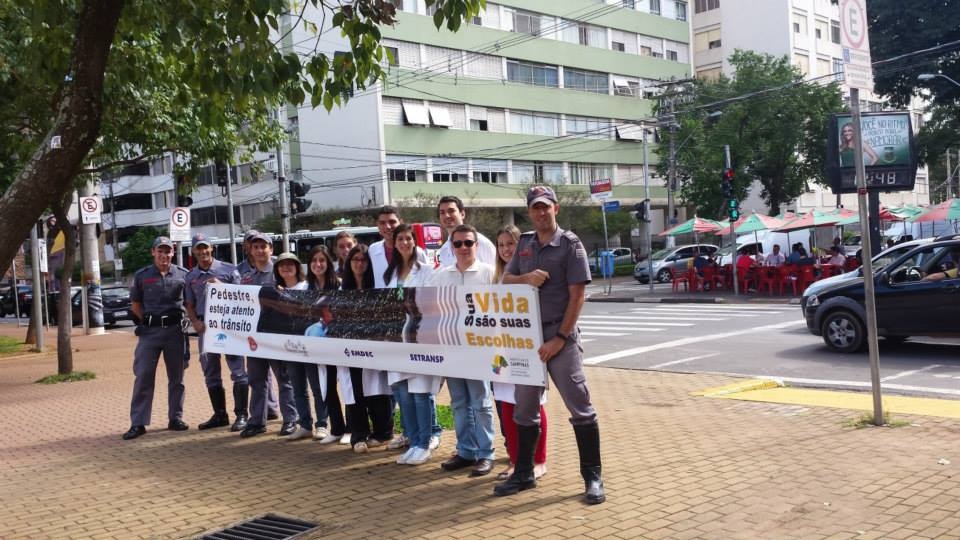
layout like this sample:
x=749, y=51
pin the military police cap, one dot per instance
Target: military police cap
x=200, y=239
x=162, y=241
x=250, y=234
x=542, y=194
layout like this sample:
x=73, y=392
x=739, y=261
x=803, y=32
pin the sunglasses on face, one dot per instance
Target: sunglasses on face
x=463, y=243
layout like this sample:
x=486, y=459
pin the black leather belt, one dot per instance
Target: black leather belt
x=550, y=323
x=162, y=321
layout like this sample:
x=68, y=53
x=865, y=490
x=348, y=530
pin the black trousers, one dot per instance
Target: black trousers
x=334, y=412
x=370, y=416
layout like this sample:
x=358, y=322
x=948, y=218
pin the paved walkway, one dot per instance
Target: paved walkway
x=676, y=466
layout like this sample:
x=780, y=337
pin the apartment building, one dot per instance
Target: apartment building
x=555, y=91
x=808, y=31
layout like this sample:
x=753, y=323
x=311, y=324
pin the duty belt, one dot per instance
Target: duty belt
x=163, y=321
x=550, y=323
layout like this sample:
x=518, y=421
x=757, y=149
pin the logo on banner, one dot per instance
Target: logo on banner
x=295, y=347
x=432, y=358
x=499, y=362
x=252, y=342
x=354, y=353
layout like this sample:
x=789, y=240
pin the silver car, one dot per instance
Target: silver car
x=676, y=259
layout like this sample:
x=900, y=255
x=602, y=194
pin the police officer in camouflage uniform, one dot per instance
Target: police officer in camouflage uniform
x=157, y=300
x=210, y=270
x=261, y=273
x=554, y=261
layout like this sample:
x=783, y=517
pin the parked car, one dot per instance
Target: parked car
x=116, y=305
x=852, y=245
x=621, y=255
x=676, y=259
x=9, y=307
x=907, y=304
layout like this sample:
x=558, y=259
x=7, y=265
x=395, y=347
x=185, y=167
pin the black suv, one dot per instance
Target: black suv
x=9, y=307
x=116, y=305
x=917, y=294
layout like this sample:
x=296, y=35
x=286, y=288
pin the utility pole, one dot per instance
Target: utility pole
x=118, y=273
x=284, y=200
x=645, y=222
x=230, y=226
x=672, y=178
x=733, y=234
x=90, y=280
x=35, y=267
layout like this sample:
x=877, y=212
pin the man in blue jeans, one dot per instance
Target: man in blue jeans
x=471, y=401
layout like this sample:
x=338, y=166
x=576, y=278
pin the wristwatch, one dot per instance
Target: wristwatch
x=564, y=336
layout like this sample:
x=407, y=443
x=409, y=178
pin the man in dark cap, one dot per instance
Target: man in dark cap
x=157, y=300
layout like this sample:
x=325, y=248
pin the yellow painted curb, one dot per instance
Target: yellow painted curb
x=738, y=387
x=858, y=401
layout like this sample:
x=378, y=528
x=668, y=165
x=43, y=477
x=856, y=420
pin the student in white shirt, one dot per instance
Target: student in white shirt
x=452, y=214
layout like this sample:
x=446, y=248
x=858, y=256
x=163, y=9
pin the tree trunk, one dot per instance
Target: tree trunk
x=49, y=173
x=64, y=303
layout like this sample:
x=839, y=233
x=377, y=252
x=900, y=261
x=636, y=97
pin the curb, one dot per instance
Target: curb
x=688, y=300
x=738, y=387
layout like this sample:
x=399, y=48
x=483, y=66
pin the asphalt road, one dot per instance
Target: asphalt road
x=757, y=340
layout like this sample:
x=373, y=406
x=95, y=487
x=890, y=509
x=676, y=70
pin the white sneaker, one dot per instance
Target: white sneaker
x=402, y=460
x=360, y=448
x=434, y=443
x=330, y=439
x=345, y=439
x=321, y=433
x=300, y=433
x=375, y=443
x=398, y=443
x=420, y=456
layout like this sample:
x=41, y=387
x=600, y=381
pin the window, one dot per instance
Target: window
x=623, y=41
x=705, y=5
x=838, y=69
x=449, y=169
x=161, y=166
x=530, y=73
x=835, y=31
x=631, y=4
x=587, y=81
x=212, y=215
x=672, y=55
x=681, y=11
x=650, y=46
x=162, y=199
x=823, y=67
x=440, y=116
x=534, y=123
x=490, y=171
x=796, y=28
x=392, y=109
x=393, y=56
x=678, y=52
x=415, y=113
x=802, y=62
x=524, y=22
x=704, y=41
x=537, y=171
x=655, y=7
x=591, y=128
x=711, y=74
x=800, y=23
x=617, y=46
x=406, y=168
x=583, y=34
x=406, y=54
x=478, y=125
x=821, y=29
x=582, y=173
x=624, y=87
x=483, y=66
x=443, y=59
x=629, y=132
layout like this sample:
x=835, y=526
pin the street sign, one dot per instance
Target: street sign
x=856, y=44
x=90, y=208
x=118, y=264
x=611, y=206
x=42, y=255
x=180, y=225
x=601, y=189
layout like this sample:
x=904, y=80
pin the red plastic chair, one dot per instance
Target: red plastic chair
x=805, y=277
x=788, y=278
x=712, y=277
x=694, y=279
x=679, y=279
x=851, y=264
x=769, y=278
x=746, y=278
x=727, y=273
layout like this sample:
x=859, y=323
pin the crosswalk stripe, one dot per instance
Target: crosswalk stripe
x=692, y=312
x=669, y=318
x=595, y=333
x=715, y=311
x=627, y=322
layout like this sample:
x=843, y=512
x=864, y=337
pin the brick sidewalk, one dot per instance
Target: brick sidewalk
x=676, y=466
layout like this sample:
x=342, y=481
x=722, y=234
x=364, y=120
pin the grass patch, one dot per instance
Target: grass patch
x=444, y=417
x=73, y=376
x=9, y=345
x=865, y=420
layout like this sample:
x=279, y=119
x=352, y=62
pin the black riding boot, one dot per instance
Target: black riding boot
x=588, y=443
x=218, y=398
x=522, y=477
x=241, y=395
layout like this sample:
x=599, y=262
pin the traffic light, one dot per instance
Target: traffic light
x=726, y=183
x=642, y=210
x=297, y=203
x=220, y=169
x=183, y=190
x=733, y=209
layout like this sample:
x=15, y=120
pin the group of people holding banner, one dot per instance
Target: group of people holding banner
x=549, y=258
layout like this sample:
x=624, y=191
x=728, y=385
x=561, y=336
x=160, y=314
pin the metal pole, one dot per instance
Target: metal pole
x=84, y=314
x=647, y=238
x=606, y=245
x=117, y=273
x=671, y=179
x=284, y=200
x=35, y=267
x=15, y=291
x=733, y=234
x=949, y=177
x=868, y=284
x=91, y=271
x=230, y=227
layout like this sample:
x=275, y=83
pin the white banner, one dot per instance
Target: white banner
x=483, y=332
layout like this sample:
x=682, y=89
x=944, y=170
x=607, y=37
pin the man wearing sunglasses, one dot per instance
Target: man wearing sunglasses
x=471, y=401
x=451, y=215
x=554, y=261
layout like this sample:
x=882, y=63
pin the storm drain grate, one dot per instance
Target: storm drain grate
x=268, y=527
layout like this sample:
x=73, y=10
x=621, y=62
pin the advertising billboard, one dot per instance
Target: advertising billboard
x=888, y=154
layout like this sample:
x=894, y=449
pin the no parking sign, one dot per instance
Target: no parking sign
x=180, y=224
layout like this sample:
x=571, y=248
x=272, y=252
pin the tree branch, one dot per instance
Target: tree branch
x=123, y=162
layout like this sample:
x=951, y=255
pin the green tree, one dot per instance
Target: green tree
x=88, y=85
x=137, y=253
x=777, y=135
